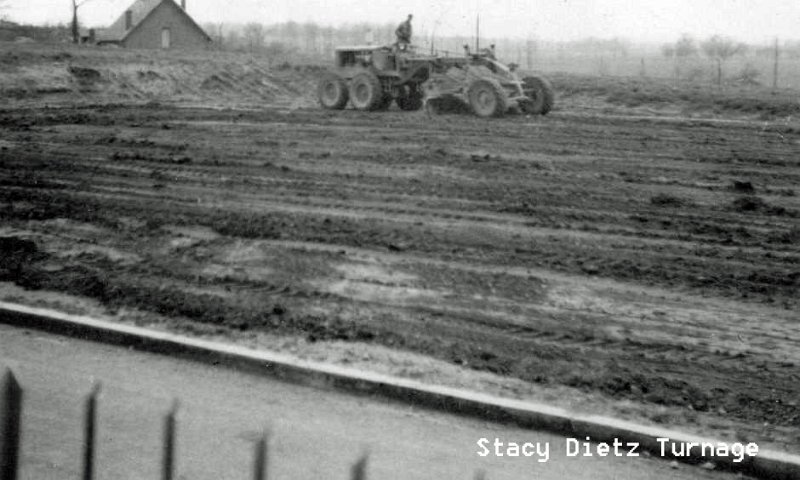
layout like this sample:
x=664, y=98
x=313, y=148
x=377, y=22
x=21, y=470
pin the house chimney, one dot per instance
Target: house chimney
x=128, y=19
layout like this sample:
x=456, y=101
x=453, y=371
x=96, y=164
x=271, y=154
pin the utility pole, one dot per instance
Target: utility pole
x=478, y=34
x=529, y=50
x=775, y=69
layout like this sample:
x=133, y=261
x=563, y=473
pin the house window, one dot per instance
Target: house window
x=166, y=39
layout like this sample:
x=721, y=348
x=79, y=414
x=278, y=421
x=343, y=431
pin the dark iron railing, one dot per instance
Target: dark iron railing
x=10, y=418
x=11, y=400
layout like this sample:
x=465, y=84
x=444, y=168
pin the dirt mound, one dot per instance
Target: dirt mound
x=749, y=204
x=84, y=74
x=754, y=204
x=742, y=187
x=666, y=200
x=214, y=82
x=149, y=75
x=15, y=252
x=95, y=75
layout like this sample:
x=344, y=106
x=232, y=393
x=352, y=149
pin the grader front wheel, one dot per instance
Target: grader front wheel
x=487, y=98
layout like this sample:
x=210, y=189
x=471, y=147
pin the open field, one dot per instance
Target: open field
x=650, y=261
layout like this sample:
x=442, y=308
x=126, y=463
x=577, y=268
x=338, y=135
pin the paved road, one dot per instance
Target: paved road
x=316, y=433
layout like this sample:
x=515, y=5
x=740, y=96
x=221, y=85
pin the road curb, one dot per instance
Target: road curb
x=767, y=465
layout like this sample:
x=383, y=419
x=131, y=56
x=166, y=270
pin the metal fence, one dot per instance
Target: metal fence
x=11, y=401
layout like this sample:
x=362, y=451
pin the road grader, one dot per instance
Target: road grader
x=370, y=78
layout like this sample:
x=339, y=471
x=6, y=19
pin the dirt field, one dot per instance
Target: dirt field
x=651, y=262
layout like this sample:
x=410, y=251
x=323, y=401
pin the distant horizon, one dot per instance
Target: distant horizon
x=546, y=20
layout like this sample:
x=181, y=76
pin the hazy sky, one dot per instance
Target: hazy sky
x=656, y=20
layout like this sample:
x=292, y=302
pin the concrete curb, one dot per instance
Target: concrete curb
x=767, y=465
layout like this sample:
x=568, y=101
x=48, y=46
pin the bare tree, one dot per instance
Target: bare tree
x=76, y=4
x=721, y=49
x=3, y=7
x=685, y=46
x=680, y=51
x=290, y=33
x=531, y=47
x=311, y=34
x=214, y=30
x=233, y=40
x=254, y=36
x=277, y=52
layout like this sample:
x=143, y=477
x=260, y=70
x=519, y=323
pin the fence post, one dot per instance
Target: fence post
x=10, y=414
x=168, y=465
x=359, y=470
x=775, y=66
x=260, y=463
x=89, y=433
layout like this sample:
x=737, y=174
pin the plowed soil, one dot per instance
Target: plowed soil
x=648, y=260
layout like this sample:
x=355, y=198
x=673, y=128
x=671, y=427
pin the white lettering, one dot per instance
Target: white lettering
x=525, y=451
x=573, y=447
x=497, y=446
x=482, y=444
x=721, y=450
x=544, y=453
x=663, y=442
x=602, y=449
x=751, y=449
x=617, y=444
x=633, y=446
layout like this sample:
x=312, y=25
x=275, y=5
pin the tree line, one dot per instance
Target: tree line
x=717, y=48
x=691, y=58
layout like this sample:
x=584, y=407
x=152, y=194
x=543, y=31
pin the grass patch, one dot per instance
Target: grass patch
x=635, y=92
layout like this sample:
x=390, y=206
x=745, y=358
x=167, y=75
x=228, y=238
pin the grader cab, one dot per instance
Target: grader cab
x=371, y=77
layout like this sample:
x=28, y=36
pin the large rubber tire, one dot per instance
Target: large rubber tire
x=541, y=94
x=366, y=92
x=411, y=99
x=487, y=98
x=332, y=92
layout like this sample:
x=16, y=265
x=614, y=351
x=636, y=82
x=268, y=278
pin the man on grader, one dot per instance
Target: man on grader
x=403, y=34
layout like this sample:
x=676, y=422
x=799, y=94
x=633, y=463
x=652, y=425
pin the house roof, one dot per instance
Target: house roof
x=140, y=10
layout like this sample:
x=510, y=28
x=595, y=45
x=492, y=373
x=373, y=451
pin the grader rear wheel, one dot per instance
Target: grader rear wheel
x=366, y=92
x=487, y=98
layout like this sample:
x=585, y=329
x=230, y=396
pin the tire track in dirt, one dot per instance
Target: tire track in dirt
x=533, y=250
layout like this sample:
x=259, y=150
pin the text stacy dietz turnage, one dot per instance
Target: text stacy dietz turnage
x=669, y=448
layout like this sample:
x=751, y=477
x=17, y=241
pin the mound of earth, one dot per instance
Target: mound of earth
x=32, y=76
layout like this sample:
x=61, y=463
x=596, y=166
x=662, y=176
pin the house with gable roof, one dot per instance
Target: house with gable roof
x=155, y=24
